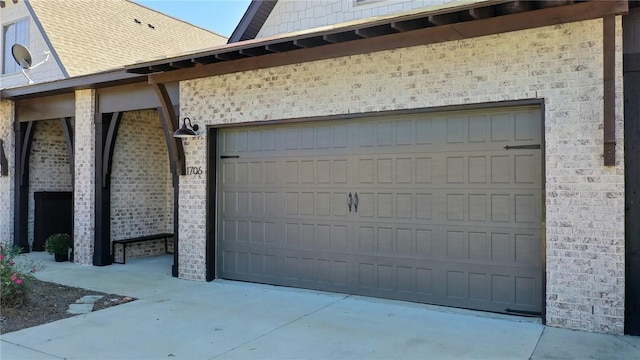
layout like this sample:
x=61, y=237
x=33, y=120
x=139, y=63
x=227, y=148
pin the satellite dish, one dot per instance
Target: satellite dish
x=23, y=57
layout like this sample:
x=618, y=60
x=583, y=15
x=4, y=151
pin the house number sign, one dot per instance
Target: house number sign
x=194, y=170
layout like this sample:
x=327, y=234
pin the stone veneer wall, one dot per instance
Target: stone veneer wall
x=561, y=64
x=48, y=164
x=6, y=182
x=84, y=192
x=139, y=183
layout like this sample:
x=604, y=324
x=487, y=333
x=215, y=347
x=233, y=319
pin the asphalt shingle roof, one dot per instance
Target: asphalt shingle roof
x=91, y=36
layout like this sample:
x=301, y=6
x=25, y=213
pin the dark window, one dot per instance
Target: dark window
x=14, y=33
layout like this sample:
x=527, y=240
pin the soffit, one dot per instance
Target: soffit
x=252, y=20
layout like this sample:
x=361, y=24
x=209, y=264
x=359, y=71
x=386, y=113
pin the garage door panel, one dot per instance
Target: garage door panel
x=492, y=169
x=445, y=214
x=450, y=206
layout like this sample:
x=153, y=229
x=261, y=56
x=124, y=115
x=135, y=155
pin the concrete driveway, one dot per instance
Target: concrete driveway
x=178, y=319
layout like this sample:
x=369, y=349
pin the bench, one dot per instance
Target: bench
x=125, y=242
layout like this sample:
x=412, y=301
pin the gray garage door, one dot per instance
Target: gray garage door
x=429, y=208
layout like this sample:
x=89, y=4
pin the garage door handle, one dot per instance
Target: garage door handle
x=349, y=201
x=535, y=146
x=355, y=202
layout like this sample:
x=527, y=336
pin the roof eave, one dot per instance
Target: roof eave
x=92, y=81
x=250, y=24
x=381, y=33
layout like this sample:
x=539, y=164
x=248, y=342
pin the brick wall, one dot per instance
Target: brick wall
x=139, y=183
x=6, y=182
x=48, y=71
x=48, y=164
x=561, y=64
x=294, y=15
x=84, y=192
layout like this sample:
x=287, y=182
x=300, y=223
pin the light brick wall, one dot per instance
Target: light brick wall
x=84, y=193
x=48, y=165
x=6, y=183
x=139, y=183
x=294, y=15
x=192, y=213
x=561, y=64
x=48, y=71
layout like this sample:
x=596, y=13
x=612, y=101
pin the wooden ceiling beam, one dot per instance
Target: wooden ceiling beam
x=444, y=19
x=256, y=51
x=205, y=60
x=409, y=25
x=283, y=47
x=182, y=64
x=310, y=42
x=376, y=31
x=482, y=12
x=515, y=7
x=234, y=55
x=341, y=37
x=543, y=4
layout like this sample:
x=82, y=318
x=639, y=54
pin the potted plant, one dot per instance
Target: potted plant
x=58, y=245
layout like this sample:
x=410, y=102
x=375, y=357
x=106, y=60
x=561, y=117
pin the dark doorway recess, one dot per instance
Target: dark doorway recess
x=631, y=61
x=53, y=215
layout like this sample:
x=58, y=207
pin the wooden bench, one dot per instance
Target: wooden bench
x=125, y=242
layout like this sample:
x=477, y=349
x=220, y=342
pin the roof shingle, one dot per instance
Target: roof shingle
x=90, y=36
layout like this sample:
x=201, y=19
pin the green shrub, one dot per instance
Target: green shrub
x=58, y=244
x=14, y=278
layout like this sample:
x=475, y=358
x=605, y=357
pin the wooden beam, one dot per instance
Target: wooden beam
x=341, y=37
x=170, y=123
x=105, y=130
x=4, y=162
x=25, y=152
x=109, y=146
x=256, y=51
x=552, y=3
x=206, y=60
x=46, y=107
x=282, y=47
x=437, y=34
x=230, y=56
x=514, y=7
x=182, y=64
x=310, y=42
x=443, y=19
x=375, y=31
x=414, y=24
x=23, y=140
x=68, y=135
x=482, y=13
x=609, y=100
x=169, y=118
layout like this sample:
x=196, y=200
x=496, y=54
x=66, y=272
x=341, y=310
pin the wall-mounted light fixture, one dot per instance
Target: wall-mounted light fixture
x=4, y=163
x=186, y=131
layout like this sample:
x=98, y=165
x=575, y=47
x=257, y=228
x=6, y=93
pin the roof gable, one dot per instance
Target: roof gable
x=90, y=36
x=252, y=20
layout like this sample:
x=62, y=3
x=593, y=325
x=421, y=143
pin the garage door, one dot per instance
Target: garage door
x=434, y=208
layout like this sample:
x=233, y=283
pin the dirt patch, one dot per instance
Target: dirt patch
x=49, y=302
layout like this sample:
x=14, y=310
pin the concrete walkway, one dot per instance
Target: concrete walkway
x=178, y=319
